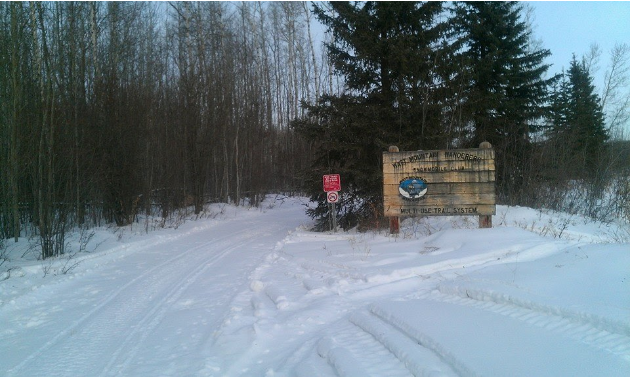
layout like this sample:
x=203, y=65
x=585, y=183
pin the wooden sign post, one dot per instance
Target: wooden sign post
x=439, y=183
x=485, y=221
x=394, y=221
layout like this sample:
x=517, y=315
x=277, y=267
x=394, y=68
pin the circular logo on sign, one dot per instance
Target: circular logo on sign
x=332, y=197
x=412, y=188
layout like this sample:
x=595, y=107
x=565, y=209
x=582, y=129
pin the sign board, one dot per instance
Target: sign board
x=332, y=183
x=439, y=182
x=332, y=197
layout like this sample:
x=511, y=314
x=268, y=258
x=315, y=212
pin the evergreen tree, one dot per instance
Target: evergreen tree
x=506, y=90
x=389, y=54
x=587, y=117
x=578, y=121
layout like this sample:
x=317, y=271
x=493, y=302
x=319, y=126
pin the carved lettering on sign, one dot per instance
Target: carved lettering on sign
x=440, y=182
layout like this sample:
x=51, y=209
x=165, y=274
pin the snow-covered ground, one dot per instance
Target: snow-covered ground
x=252, y=292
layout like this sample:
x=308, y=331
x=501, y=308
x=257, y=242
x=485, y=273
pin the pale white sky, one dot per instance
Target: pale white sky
x=568, y=27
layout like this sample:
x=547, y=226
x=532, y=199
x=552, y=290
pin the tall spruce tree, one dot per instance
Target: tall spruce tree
x=506, y=91
x=389, y=54
x=555, y=146
x=578, y=121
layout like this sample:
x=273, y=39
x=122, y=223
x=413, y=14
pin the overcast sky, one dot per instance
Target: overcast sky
x=568, y=27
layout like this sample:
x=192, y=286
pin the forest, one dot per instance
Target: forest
x=111, y=110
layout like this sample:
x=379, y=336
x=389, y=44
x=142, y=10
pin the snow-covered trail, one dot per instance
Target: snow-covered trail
x=147, y=313
x=360, y=305
x=446, y=305
x=255, y=294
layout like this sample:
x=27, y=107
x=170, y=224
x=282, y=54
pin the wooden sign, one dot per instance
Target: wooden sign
x=439, y=182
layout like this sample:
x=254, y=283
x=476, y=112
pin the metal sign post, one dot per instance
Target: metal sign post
x=333, y=217
x=332, y=185
x=333, y=198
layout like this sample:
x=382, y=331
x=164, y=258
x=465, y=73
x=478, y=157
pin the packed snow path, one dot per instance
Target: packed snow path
x=149, y=312
x=255, y=294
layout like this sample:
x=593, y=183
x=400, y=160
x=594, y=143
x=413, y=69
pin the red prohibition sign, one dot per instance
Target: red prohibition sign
x=332, y=197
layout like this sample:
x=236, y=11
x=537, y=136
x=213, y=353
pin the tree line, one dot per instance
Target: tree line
x=112, y=109
x=438, y=75
x=109, y=110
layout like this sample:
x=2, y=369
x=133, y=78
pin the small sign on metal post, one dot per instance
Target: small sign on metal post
x=332, y=185
x=332, y=197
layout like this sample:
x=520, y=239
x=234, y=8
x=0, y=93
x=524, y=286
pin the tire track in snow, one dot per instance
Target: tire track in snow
x=115, y=320
x=154, y=316
x=599, y=333
x=496, y=344
x=422, y=361
x=340, y=359
x=482, y=295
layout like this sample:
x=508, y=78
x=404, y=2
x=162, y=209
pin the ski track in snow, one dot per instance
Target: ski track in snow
x=155, y=315
x=116, y=312
x=135, y=309
x=296, y=303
